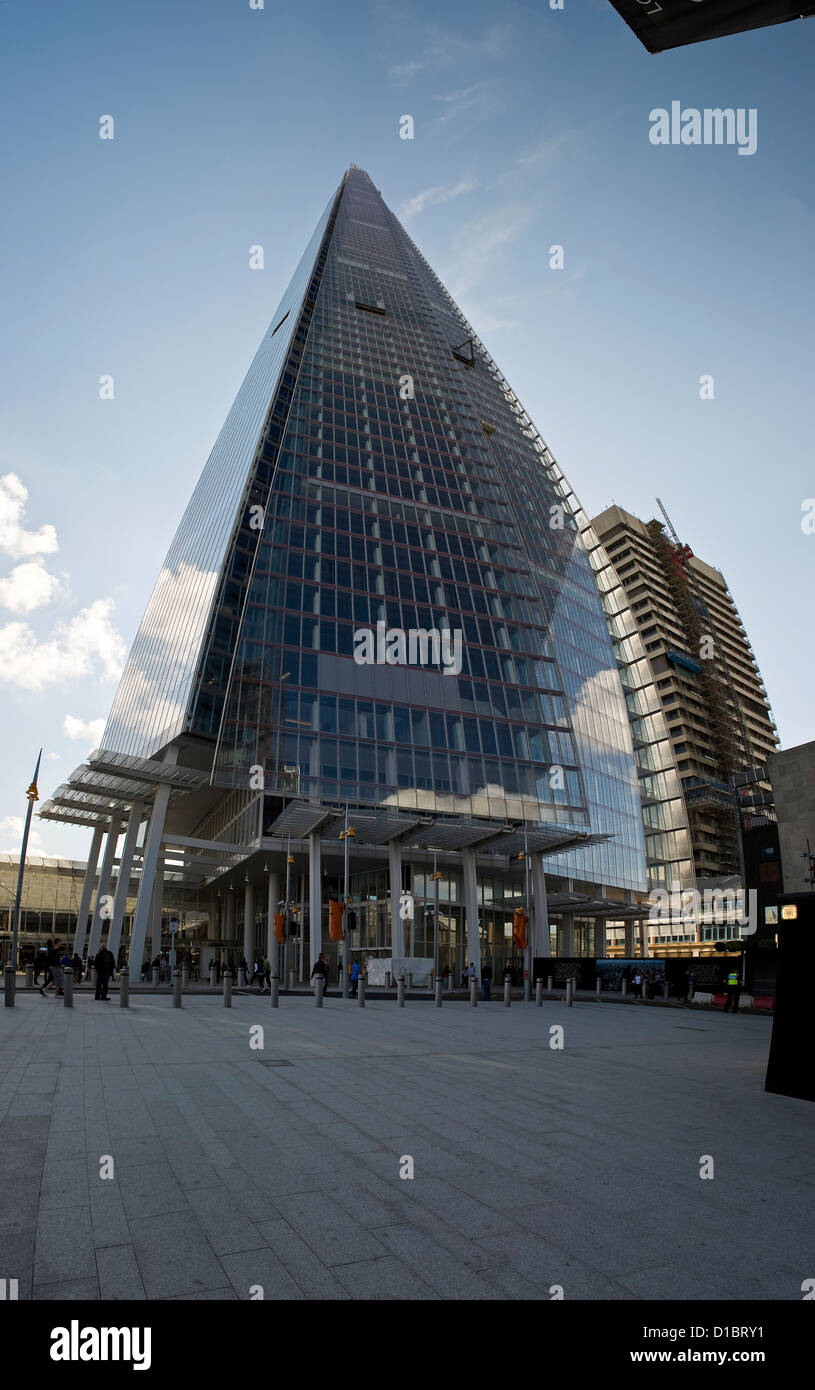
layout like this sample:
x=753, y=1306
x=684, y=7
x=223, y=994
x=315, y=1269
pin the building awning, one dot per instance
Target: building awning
x=379, y=826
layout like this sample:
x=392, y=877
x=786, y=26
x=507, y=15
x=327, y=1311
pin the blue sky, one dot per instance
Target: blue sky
x=130, y=257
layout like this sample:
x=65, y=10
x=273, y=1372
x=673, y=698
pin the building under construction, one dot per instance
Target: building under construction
x=709, y=683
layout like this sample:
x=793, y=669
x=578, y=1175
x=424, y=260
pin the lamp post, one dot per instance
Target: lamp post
x=33, y=796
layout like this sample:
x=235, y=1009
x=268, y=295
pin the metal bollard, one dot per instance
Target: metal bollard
x=291, y=979
x=124, y=988
x=539, y=993
x=599, y=987
x=400, y=991
x=665, y=989
x=439, y=993
x=10, y=983
x=68, y=986
x=361, y=988
x=549, y=983
x=474, y=993
x=274, y=993
x=213, y=976
x=319, y=990
x=185, y=976
x=156, y=976
x=227, y=989
x=176, y=988
x=507, y=992
x=29, y=977
x=624, y=988
x=569, y=992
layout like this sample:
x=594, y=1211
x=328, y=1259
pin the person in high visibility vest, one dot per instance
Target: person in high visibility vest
x=733, y=991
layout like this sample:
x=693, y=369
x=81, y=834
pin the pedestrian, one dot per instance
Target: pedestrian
x=320, y=968
x=733, y=990
x=638, y=985
x=40, y=964
x=267, y=973
x=486, y=979
x=76, y=966
x=53, y=958
x=692, y=977
x=355, y=974
x=105, y=963
x=257, y=974
x=445, y=977
x=243, y=971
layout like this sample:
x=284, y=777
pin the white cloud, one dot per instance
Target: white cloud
x=90, y=731
x=438, y=194
x=14, y=539
x=477, y=242
x=11, y=836
x=88, y=645
x=27, y=587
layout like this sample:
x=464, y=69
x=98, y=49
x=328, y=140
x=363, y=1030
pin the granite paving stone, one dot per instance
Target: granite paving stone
x=533, y=1167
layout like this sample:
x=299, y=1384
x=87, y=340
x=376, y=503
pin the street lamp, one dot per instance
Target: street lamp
x=33, y=796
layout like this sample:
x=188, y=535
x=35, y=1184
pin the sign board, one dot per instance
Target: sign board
x=173, y=925
x=661, y=24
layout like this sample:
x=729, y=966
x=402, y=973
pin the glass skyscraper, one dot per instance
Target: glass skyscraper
x=380, y=597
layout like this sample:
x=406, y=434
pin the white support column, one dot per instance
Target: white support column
x=541, y=945
x=272, y=900
x=471, y=909
x=152, y=845
x=156, y=909
x=80, y=935
x=315, y=918
x=123, y=882
x=395, y=880
x=102, y=911
x=249, y=951
x=644, y=928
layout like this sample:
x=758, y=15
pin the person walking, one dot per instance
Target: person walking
x=76, y=966
x=486, y=979
x=267, y=973
x=105, y=963
x=257, y=974
x=320, y=967
x=53, y=957
x=445, y=977
x=356, y=970
x=638, y=985
x=243, y=971
x=733, y=989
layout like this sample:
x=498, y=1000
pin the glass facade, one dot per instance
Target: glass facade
x=157, y=684
x=391, y=483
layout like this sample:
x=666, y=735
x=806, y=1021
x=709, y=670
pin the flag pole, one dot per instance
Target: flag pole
x=33, y=796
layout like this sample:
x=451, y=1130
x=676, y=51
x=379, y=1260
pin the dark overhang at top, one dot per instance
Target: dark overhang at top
x=663, y=24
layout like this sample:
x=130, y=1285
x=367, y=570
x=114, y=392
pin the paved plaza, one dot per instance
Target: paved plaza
x=534, y=1167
